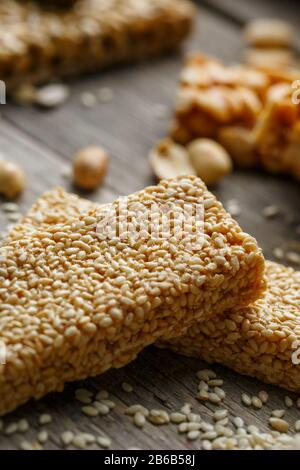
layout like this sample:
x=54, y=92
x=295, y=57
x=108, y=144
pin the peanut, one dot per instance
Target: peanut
x=210, y=160
x=90, y=167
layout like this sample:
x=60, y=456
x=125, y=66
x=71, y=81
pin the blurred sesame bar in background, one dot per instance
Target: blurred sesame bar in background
x=249, y=110
x=262, y=340
x=38, y=44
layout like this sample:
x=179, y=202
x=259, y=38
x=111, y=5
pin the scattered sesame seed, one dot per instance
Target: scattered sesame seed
x=158, y=417
x=206, y=374
x=206, y=445
x=104, y=442
x=233, y=207
x=246, y=400
x=101, y=408
x=263, y=396
x=111, y=404
x=88, y=99
x=278, y=253
x=45, y=419
x=25, y=445
x=182, y=428
x=220, y=414
x=194, y=418
x=23, y=425
x=288, y=401
x=67, y=437
x=293, y=257
x=220, y=392
x=102, y=395
x=279, y=424
x=203, y=395
x=105, y=95
x=91, y=410
x=193, y=435
x=214, y=398
x=127, y=387
x=10, y=207
x=133, y=409
x=206, y=427
x=215, y=382
x=79, y=441
x=139, y=419
x=203, y=386
x=209, y=435
x=252, y=429
x=89, y=438
x=11, y=429
x=83, y=396
x=186, y=409
x=270, y=212
x=278, y=413
x=177, y=418
x=256, y=402
x=42, y=437
x=14, y=216
x=297, y=425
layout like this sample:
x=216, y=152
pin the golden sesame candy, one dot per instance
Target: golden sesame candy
x=86, y=292
x=266, y=345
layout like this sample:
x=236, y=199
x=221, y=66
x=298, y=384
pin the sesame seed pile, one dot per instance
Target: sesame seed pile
x=43, y=43
x=260, y=340
x=249, y=110
x=74, y=306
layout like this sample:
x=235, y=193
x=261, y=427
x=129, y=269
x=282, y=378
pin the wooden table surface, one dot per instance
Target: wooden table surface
x=43, y=142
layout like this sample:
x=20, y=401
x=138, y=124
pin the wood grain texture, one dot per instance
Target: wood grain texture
x=44, y=143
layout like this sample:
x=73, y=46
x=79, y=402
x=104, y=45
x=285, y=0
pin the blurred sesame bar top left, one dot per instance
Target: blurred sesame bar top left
x=38, y=43
x=74, y=304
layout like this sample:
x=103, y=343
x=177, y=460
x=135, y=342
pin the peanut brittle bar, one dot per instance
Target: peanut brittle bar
x=74, y=305
x=262, y=340
x=38, y=44
x=250, y=111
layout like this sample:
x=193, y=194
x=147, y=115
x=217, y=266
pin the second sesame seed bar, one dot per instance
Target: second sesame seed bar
x=38, y=44
x=262, y=340
x=73, y=306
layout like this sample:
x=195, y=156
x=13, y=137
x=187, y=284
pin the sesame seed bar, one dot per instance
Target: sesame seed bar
x=38, y=43
x=262, y=340
x=74, y=305
x=249, y=110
